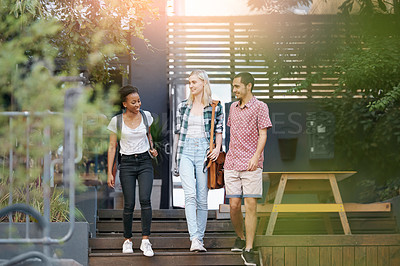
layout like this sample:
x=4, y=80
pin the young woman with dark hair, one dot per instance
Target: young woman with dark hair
x=135, y=164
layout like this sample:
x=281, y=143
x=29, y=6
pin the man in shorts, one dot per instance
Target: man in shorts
x=248, y=121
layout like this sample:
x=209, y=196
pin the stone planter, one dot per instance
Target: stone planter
x=76, y=248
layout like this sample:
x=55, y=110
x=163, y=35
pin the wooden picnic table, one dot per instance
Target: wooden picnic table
x=289, y=182
x=322, y=182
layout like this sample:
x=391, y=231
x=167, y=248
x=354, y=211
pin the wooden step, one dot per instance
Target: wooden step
x=161, y=242
x=166, y=258
x=164, y=214
x=285, y=225
x=166, y=234
x=169, y=238
x=164, y=226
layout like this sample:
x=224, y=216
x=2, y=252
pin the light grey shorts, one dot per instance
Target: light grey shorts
x=246, y=184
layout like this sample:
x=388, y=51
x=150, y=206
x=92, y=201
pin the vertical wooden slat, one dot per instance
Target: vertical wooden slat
x=313, y=256
x=302, y=256
x=337, y=256
x=394, y=255
x=266, y=256
x=348, y=256
x=290, y=256
x=278, y=256
x=360, y=256
x=383, y=256
x=325, y=256
x=372, y=256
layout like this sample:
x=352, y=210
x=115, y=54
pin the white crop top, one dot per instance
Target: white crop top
x=195, y=127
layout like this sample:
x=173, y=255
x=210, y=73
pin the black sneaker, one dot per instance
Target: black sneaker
x=239, y=245
x=248, y=258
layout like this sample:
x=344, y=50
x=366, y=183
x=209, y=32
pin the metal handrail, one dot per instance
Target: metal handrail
x=25, y=256
x=20, y=207
x=69, y=161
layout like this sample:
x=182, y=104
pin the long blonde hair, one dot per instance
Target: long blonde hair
x=201, y=74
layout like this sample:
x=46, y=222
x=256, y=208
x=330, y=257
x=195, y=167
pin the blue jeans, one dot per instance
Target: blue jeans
x=140, y=167
x=194, y=184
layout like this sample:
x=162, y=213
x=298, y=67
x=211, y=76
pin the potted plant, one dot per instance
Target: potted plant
x=74, y=248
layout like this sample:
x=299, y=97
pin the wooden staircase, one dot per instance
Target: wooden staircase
x=169, y=238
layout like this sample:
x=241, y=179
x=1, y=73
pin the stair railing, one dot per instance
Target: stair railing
x=71, y=97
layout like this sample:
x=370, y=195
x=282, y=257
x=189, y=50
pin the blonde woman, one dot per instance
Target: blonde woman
x=193, y=135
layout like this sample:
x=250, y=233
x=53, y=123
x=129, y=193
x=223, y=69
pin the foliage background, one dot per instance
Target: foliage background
x=364, y=7
x=367, y=103
x=40, y=42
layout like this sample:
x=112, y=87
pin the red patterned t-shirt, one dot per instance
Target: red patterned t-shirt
x=244, y=125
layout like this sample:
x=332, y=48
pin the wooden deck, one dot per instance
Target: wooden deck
x=334, y=250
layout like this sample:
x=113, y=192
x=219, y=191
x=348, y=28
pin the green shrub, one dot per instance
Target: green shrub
x=59, y=206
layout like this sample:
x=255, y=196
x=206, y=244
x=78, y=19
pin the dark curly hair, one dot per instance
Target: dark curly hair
x=126, y=90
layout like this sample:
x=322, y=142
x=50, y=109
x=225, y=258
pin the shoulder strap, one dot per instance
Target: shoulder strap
x=117, y=157
x=119, y=127
x=146, y=124
x=213, y=104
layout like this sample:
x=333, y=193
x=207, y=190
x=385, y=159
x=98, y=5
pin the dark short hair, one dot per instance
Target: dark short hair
x=246, y=78
x=126, y=90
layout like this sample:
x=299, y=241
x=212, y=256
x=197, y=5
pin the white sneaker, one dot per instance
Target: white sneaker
x=146, y=248
x=197, y=246
x=127, y=247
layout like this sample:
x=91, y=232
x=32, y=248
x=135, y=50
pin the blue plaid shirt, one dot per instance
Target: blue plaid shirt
x=182, y=117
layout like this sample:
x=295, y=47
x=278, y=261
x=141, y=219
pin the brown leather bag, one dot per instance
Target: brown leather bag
x=215, y=173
